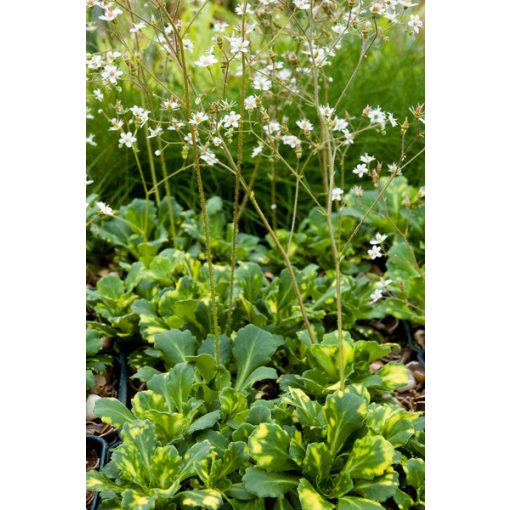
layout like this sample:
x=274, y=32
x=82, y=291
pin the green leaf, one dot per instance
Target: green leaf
x=112, y=412
x=110, y=287
x=310, y=499
x=371, y=456
x=232, y=402
x=193, y=458
x=268, y=485
x=175, y=345
x=393, y=375
x=380, y=488
x=204, y=422
x=269, y=447
x=204, y=498
x=253, y=348
x=231, y=460
x=180, y=383
x=415, y=473
x=309, y=412
x=132, y=500
x=403, y=500
x=251, y=279
x=94, y=342
x=99, y=482
x=344, y=415
x=318, y=460
x=165, y=466
x=349, y=503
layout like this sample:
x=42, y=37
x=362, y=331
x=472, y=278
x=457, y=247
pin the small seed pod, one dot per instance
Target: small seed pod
x=366, y=28
x=219, y=41
x=404, y=127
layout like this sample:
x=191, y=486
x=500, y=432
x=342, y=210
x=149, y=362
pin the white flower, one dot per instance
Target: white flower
x=377, y=116
x=421, y=192
x=393, y=168
x=206, y=60
x=378, y=238
x=336, y=194
x=250, y=103
x=105, y=209
x=155, y=132
x=89, y=181
x=140, y=113
x=110, y=14
x=305, y=125
x=116, y=124
x=256, y=151
x=376, y=8
x=209, y=158
x=99, y=95
x=198, y=117
x=220, y=27
x=415, y=23
x=111, y=74
x=338, y=124
x=231, y=120
x=392, y=120
x=273, y=207
x=391, y=16
x=137, y=27
x=188, y=45
x=238, y=45
x=348, y=137
x=217, y=141
x=261, y=83
x=360, y=170
x=272, y=128
x=375, y=296
x=90, y=140
x=170, y=105
x=326, y=111
x=175, y=125
x=291, y=140
x=302, y=4
x=374, y=252
x=338, y=28
x=357, y=191
x=239, y=9
x=95, y=62
x=366, y=158
x=383, y=284
x=127, y=139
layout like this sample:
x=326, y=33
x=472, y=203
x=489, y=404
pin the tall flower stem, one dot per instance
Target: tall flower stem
x=238, y=177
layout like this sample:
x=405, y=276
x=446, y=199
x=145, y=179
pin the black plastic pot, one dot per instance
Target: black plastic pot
x=420, y=353
x=122, y=391
x=100, y=446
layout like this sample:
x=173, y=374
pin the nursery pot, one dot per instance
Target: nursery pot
x=100, y=447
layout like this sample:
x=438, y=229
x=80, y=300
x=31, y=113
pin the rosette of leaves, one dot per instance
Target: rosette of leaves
x=111, y=301
x=346, y=453
x=322, y=372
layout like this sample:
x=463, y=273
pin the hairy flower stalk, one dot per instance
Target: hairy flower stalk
x=328, y=170
x=196, y=160
x=238, y=176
